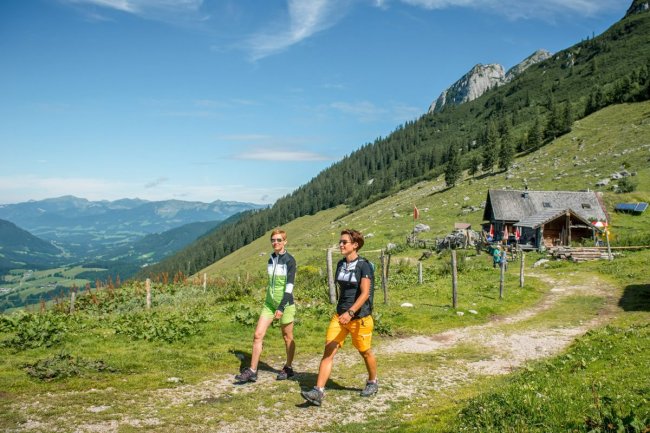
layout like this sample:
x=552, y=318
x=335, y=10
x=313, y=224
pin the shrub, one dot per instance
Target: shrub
x=64, y=365
x=626, y=185
x=34, y=330
x=153, y=326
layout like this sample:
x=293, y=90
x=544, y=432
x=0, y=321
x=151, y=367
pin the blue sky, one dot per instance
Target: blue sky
x=238, y=100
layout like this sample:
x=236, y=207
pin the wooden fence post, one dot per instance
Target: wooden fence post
x=420, y=272
x=384, y=273
x=521, y=268
x=454, y=280
x=205, y=281
x=147, y=286
x=330, y=277
x=73, y=295
x=385, y=269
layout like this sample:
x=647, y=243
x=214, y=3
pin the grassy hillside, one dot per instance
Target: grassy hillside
x=603, y=143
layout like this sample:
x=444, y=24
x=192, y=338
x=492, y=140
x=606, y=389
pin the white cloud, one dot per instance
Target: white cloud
x=156, y=182
x=169, y=11
x=280, y=155
x=19, y=189
x=244, y=137
x=305, y=18
x=30, y=187
x=519, y=9
x=364, y=110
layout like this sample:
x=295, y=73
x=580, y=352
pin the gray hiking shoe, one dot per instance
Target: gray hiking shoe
x=247, y=375
x=285, y=373
x=371, y=389
x=314, y=396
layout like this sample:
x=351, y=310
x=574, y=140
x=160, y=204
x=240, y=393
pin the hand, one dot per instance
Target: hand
x=345, y=318
x=278, y=314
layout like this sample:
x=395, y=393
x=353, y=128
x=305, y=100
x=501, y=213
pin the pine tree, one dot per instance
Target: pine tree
x=506, y=152
x=554, y=126
x=474, y=165
x=452, y=171
x=490, y=147
x=567, y=117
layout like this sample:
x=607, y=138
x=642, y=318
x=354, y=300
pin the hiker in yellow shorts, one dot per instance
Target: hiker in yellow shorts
x=355, y=281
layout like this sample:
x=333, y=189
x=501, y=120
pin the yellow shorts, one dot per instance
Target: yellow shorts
x=361, y=330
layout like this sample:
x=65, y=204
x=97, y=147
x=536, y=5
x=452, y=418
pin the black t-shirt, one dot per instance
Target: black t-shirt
x=348, y=280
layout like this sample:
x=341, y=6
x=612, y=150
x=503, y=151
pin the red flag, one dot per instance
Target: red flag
x=416, y=213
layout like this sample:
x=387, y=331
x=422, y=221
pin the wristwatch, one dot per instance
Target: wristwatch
x=351, y=313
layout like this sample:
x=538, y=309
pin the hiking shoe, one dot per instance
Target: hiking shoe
x=285, y=373
x=247, y=375
x=371, y=389
x=314, y=396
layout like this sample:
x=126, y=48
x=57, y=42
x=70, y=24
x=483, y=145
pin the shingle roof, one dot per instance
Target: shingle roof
x=538, y=220
x=516, y=205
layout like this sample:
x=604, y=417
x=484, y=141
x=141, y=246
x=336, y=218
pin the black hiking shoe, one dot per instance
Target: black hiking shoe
x=247, y=375
x=314, y=396
x=371, y=389
x=285, y=373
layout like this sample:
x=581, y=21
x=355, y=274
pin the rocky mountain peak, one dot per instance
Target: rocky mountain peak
x=637, y=7
x=482, y=78
x=536, y=57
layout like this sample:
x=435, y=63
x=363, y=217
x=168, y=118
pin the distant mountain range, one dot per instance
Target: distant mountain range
x=128, y=233
x=44, y=218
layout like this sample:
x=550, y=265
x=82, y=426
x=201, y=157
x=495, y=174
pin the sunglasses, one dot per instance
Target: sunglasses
x=344, y=242
x=277, y=240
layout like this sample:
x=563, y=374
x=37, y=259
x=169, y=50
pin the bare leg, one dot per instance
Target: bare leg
x=258, y=338
x=326, y=363
x=371, y=364
x=289, y=344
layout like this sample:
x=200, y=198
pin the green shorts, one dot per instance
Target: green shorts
x=289, y=314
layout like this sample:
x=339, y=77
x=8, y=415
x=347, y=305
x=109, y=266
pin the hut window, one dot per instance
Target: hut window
x=546, y=204
x=586, y=206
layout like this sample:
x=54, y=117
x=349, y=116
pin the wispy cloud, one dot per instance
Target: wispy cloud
x=156, y=182
x=305, y=18
x=280, y=155
x=518, y=9
x=16, y=189
x=244, y=137
x=364, y=110
x=170, y=11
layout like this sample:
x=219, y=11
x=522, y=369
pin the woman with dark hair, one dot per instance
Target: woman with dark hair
x=278, y=305
x=355, y=281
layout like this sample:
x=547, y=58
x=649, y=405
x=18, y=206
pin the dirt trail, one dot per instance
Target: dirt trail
x=509, y=347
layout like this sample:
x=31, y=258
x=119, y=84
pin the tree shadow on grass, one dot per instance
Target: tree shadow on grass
x=636, y=297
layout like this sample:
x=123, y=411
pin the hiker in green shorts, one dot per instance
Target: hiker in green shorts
x=278, y=305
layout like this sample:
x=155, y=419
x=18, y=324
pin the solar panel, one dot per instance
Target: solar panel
x=637, y=208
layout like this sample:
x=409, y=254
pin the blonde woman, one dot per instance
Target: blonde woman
x=278, y=305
